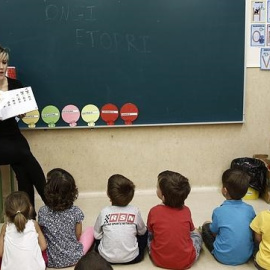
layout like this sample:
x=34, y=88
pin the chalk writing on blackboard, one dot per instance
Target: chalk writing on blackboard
x=78, y=12
x=94, y=38
x=113, y=41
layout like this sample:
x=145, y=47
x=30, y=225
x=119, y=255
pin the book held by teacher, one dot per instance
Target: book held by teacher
x=16, y=102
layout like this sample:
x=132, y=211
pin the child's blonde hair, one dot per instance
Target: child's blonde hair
x=17, y=209
x=4, y=52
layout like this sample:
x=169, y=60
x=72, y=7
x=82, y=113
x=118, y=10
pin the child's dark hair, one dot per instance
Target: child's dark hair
x=17, y=209
x=92, y=261
x=120, y=190
x=236, y=182
x=174, y=187
x=60, y=190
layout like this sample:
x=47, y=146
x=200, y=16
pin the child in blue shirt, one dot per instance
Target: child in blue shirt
x=228, y=237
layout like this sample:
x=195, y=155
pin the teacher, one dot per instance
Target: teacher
x=14, y=148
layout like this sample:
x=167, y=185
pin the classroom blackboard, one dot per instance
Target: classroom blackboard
x=178, y=61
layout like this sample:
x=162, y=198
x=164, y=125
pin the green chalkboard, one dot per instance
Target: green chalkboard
x=178, y=61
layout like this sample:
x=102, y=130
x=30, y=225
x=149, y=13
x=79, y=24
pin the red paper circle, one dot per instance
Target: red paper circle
x=109, y=113
x=129, y=112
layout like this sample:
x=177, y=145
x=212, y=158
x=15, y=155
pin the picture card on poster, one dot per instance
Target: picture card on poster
x=257, y=35
x=258, y=11
x=265, y=58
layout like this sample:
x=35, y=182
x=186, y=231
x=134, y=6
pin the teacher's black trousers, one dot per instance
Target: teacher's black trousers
x=15, y=150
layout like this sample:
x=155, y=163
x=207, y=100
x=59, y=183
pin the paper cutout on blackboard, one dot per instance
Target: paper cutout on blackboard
x=90, y=114
x=11, y=72
x=71, y=114
x=265, y=58
x=16, y=102
x=129, y=113
x=50, y=115
x=31, y=118
x=109, y=113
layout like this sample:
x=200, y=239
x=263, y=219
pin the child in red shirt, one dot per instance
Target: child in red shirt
x=174, y=243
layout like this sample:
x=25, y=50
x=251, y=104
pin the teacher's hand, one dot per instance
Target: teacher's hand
x=21, y=115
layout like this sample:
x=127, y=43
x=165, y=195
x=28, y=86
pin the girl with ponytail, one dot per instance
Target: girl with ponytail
x=21, y=239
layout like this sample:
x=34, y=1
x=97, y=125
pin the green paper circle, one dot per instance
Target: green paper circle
x=50, y=115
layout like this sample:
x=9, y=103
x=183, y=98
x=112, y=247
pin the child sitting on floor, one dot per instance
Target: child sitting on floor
x=174, y=243
x=261, y=227
x=21, y=239
x=120, y=233
x=228, y=237
x=61, y=221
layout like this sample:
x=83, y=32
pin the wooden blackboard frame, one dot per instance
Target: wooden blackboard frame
x=180, y=62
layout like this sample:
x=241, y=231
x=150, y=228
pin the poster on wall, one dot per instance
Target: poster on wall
x=265, y=58
x=268, y=11
x=257, y=37
x=257, y=31
x=268, y=35
x=258, y=11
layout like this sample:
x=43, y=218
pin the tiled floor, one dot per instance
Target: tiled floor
x=201, y=201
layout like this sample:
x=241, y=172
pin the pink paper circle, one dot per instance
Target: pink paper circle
x=71, y=114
